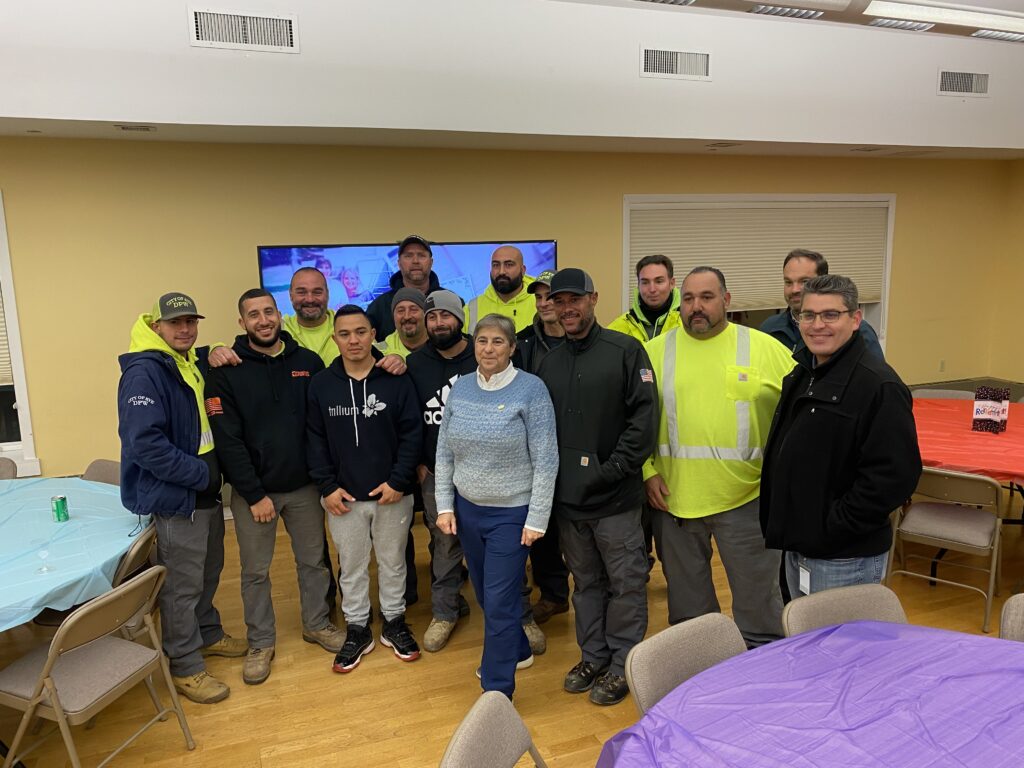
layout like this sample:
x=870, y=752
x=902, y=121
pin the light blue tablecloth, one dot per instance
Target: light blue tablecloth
x=83, y=552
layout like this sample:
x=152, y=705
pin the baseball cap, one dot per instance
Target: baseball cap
x=409, y=294
x=414, y=239
x=544, y=278
x=571, y=280
x=448, y=301
x=172, y=305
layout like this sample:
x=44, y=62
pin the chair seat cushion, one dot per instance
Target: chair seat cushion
x=957, y=525
x=82, y=676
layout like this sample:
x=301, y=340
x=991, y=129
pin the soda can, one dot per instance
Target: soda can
x=59, y=508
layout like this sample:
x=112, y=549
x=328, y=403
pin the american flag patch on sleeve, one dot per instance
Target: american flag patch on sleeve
x=647, y=375
x=213, y=407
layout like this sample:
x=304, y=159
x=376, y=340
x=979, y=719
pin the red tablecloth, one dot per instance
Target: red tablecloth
x=946, y=440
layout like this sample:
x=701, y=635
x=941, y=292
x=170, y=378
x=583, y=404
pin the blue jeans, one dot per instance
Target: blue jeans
x=836, y=572
x=492, y=541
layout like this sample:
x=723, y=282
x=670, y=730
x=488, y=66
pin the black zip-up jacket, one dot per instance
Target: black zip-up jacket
x=606, y=410
x=841, y=455
x=433, y=375
x=379, y=310
x=257, y=412
x=362, y=432
x=531, y=346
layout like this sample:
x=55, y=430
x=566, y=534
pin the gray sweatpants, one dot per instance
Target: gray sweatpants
x=445, y=558
x=684, y=546
x=192, y=550
x=304, y=520
x=385, y=528
x=608, y=562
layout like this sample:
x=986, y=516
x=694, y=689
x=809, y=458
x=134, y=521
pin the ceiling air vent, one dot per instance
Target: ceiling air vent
x=991, y=34
x=240, y=31
x=669, y=2
x=135, y=128
x=962, y=84
x=909, y=26
x=790, y=13
x=681, y=65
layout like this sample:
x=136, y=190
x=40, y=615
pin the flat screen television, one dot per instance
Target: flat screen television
x=357, y=274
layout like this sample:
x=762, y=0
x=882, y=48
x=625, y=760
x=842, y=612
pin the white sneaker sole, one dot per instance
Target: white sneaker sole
x=402, y=656
x=524, y=664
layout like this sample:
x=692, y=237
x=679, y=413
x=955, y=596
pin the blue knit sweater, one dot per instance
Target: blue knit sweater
x=499, y=447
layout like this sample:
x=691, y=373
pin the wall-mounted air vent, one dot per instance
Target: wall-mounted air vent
x=135, y=128
x=679, y=65
x=243, y=31
x=962, y=83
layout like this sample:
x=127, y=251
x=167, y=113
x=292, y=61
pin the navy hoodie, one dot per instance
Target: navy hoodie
x=362, y=433
x=257, y=412
x=379, y=311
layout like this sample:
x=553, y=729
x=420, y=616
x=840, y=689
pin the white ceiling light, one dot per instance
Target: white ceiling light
x=946, y=15
x=990, y=34
x=789, y=13
x=909, y=26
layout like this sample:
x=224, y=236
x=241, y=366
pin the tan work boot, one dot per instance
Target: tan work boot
x=256, y=668
x=227, y=646
x=437, y=634
x=330, y=638
x=538, y=643
x=202, y=688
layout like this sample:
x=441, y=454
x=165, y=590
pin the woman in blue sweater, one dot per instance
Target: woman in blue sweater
x=497, y=460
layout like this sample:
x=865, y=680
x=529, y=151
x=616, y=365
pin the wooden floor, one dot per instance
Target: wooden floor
x=390, y=713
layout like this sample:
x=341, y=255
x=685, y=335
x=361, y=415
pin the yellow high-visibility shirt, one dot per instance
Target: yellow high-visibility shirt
x=520, y=308
x=717, y=399
x=392, y=345
x=319, y=339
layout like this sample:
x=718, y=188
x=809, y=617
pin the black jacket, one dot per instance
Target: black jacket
x=257, y=412
x=532, y=346
x=433, y=374
x=841, y=456
x=606, y=410
x=362, y=432
x=379, y=310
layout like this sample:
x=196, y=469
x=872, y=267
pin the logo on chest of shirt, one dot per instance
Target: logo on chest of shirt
x=297, y=374
x=370, y=408
x=433, y=412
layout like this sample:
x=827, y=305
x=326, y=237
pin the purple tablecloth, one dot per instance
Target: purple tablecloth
x=859, y=694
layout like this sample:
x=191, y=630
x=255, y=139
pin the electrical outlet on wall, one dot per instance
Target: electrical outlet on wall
x=942, y=366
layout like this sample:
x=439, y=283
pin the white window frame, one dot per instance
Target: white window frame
x=23, y=453
x=877, y=314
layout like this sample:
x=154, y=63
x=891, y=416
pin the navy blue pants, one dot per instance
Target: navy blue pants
x=491, y=540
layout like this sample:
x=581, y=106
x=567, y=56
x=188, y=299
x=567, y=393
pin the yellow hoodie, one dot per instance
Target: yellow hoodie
x=520, y=308
x=145, y=339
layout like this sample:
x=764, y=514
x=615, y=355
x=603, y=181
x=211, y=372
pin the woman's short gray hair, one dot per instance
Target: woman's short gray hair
x=502, y=323
x=836, y=285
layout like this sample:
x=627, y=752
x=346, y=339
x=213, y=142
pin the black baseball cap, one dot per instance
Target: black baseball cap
x=571, y=280
x=414, y=239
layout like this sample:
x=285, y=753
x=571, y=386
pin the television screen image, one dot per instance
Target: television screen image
x=357, y=274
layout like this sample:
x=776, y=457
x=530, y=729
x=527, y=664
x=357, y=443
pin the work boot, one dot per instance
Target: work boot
x=538, y=643
x=437, y=634
x=544, y=609
x=202, y=688
x=581, y=677
x=330, y=638
x=229, y=646
x=256, y=668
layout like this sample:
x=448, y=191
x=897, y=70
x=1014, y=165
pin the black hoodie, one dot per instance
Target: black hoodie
x=379, y=310
x=362, y=433
x=257, y=412
x=433, y=374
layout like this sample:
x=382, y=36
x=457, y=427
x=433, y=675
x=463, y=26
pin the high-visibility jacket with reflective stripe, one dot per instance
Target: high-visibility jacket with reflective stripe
x=520, y=308
x=717, y=398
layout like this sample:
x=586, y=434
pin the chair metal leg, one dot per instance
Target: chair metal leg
x=154, y=698
x=12, y=751
x=537, y=759
x=176, y=703
x=993, y=570
x=62, y=723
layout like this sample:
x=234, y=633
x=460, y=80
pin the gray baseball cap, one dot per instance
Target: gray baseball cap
x=448, y=301
x=175, y=304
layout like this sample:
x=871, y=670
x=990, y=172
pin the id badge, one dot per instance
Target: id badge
x=805, y=580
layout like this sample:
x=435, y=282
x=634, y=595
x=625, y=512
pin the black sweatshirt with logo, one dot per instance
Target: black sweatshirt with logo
x=257, y=412
x=363, y=432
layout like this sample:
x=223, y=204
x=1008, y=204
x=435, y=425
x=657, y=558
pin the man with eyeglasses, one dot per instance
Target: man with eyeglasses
x=718, y=383
x=799, y=266
x=842, y=452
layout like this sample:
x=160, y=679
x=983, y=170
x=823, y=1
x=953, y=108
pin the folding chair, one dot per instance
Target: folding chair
x=658, y=664
x=492, y=734
x=85, y=668
x=873, y=602
x=1011, y=621
x=103, y=471
x=8, y=469
x=942, y=394
x=962, y=512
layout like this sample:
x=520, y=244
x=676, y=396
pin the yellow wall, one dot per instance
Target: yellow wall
x=98, y=229
x=1006, y=283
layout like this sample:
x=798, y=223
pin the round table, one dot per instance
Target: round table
x=946, y=440
x=83, y=552
x=866, y=694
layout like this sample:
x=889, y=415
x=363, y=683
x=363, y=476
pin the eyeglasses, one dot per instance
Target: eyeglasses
x=829, y=316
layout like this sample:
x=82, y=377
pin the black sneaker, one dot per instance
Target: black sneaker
x=358, y=641
x=581, y=677
x=609, y=689
x=397, y=636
